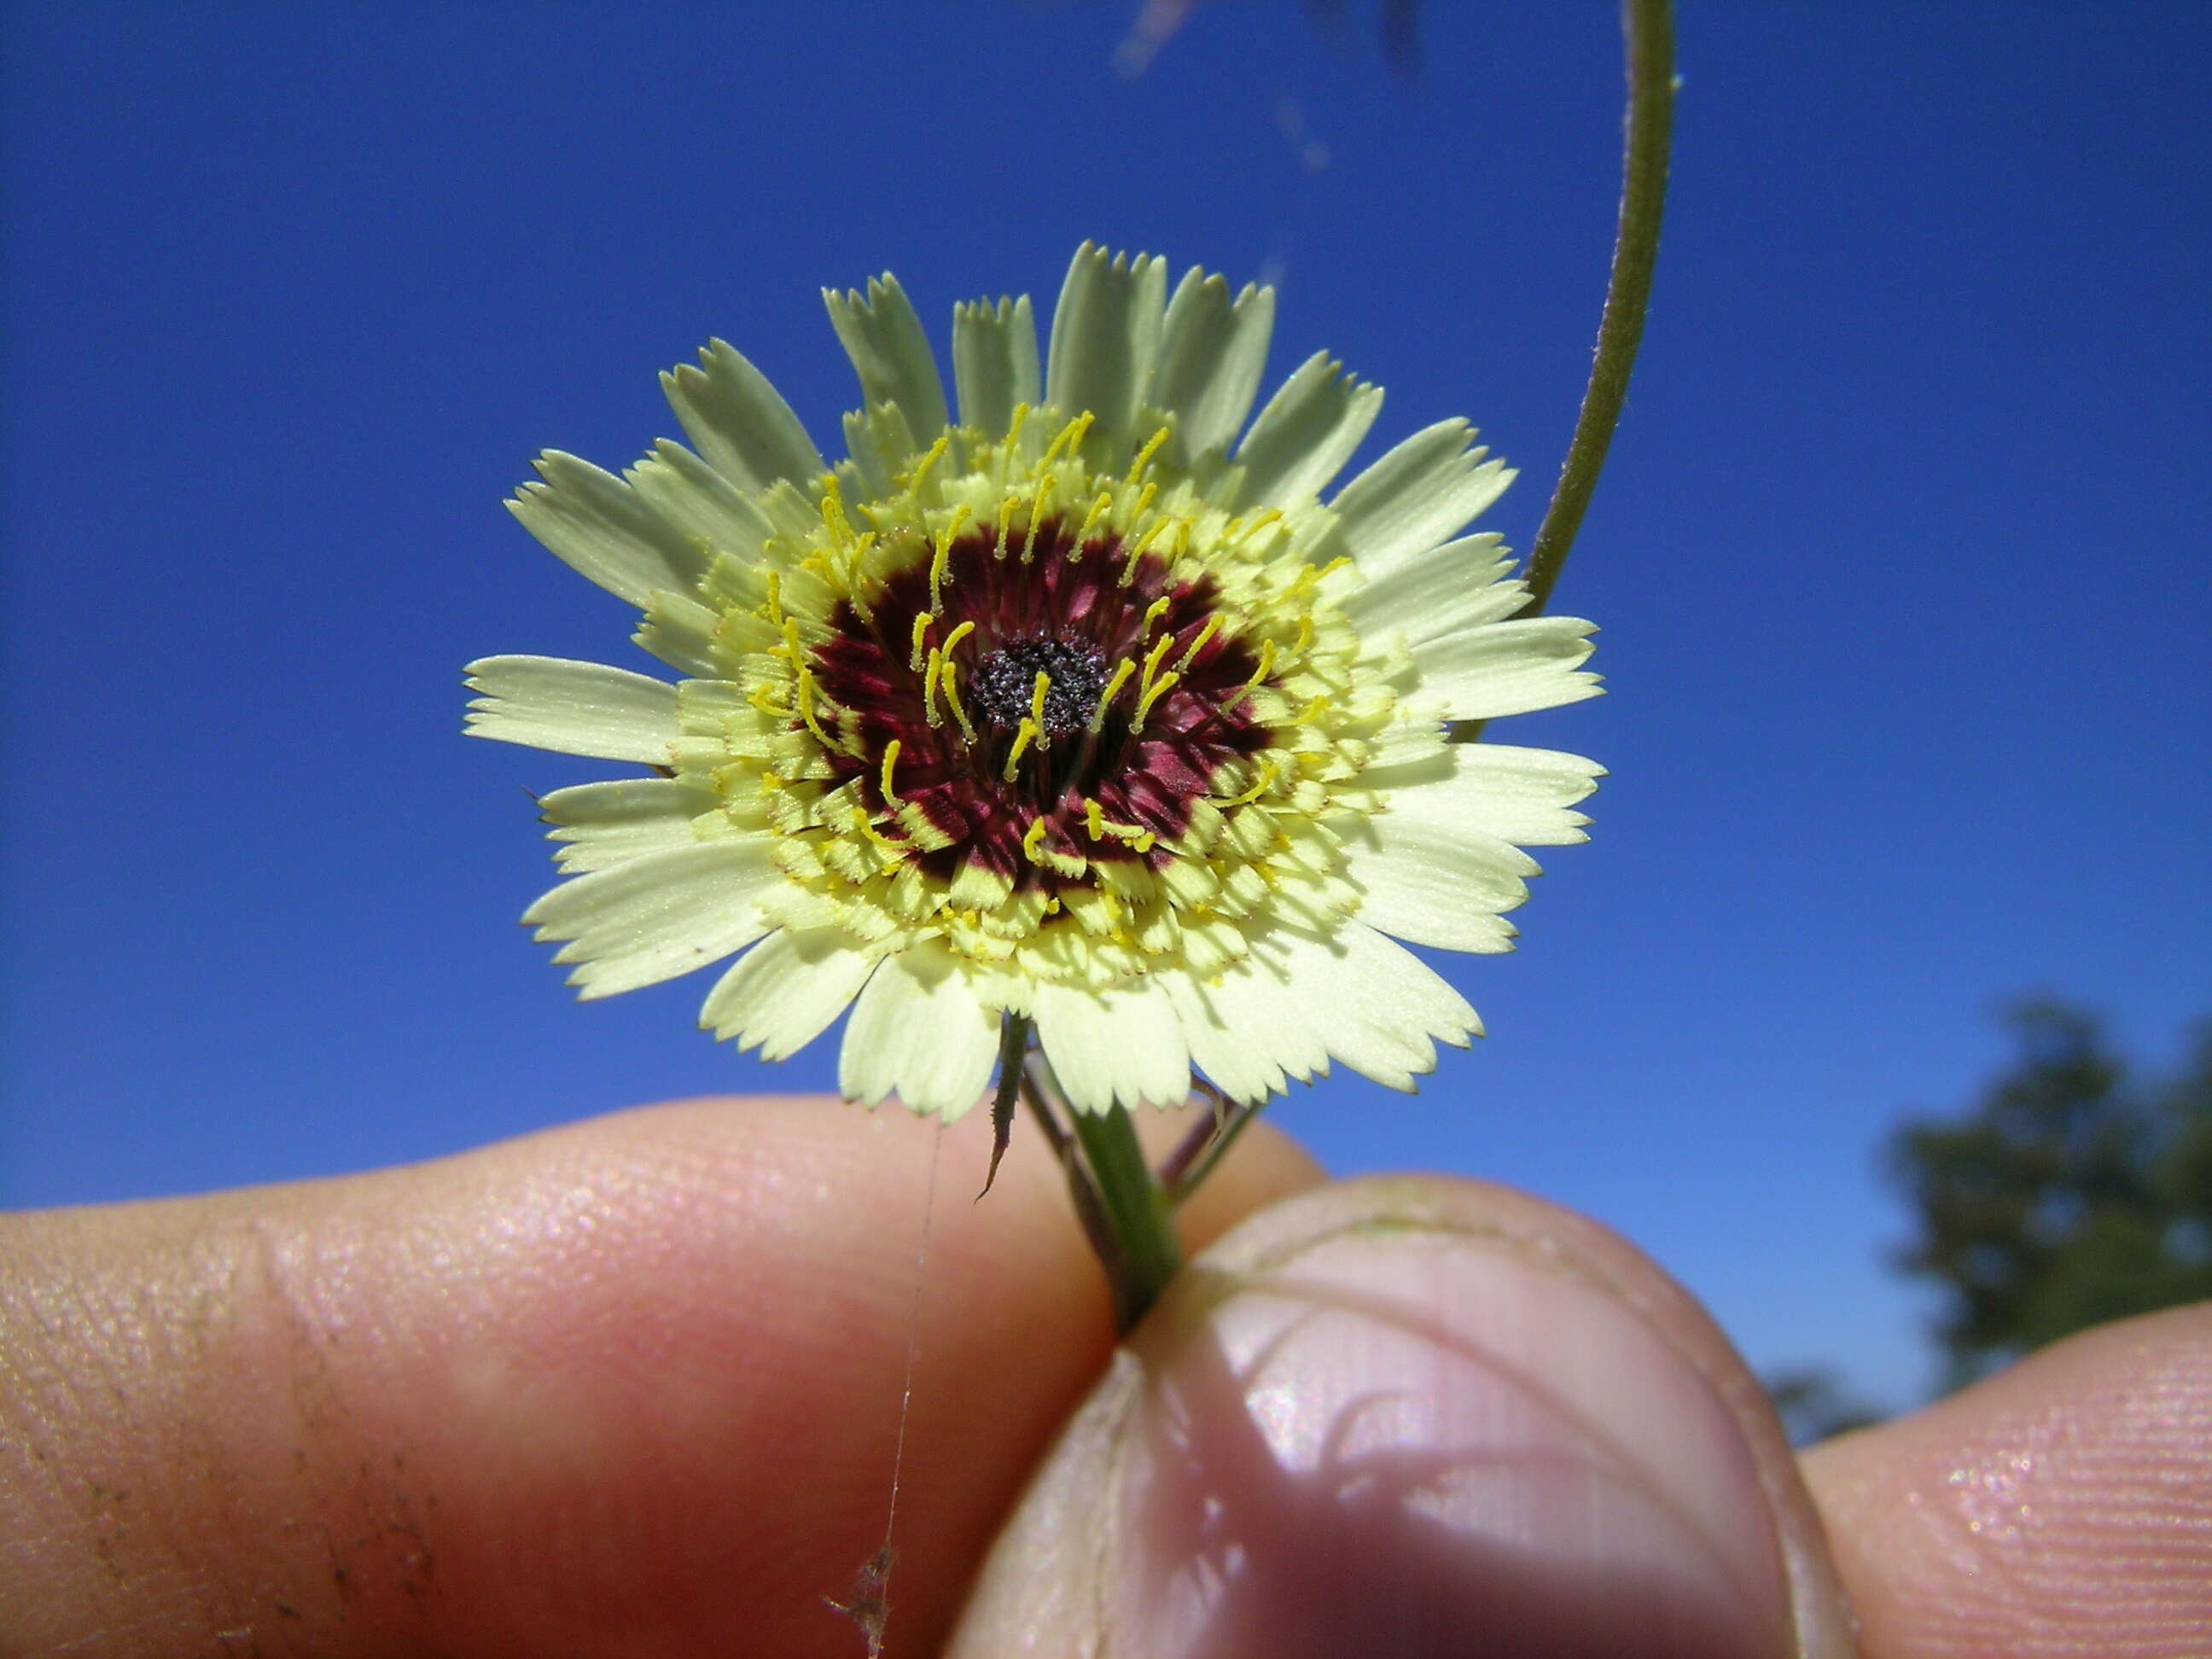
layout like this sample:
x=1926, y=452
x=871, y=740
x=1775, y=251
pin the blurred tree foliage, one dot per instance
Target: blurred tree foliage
x=2070, y=1193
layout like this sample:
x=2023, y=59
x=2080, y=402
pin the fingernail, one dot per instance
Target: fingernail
x=1412, y=1442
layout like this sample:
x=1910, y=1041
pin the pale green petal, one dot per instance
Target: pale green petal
x=1372, y=1002
x=603, y=825
x=1421, y=491
x=1435, y=883
x=1507, y=668
x=1123, y=1044
x=885, y=339
x=1306, y=432
x=1213, y=350
x=572, y=708
x=699, y=502
x=740, y=421
x=1105, y=339
x=651, y=917
x=1525, y=796
x=1244, y=1028
x=1447, y=590
x=604, y=530
x=994, y=362
x=920, y=1031
x=787, y=990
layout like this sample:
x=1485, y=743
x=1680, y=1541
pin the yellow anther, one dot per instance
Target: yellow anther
x=1037, y=516
x=1099, y=508
x=1212, y=626
x=941, y=560
x=773, y=582
x=1158, y=609
x=1144, y=501
x=1038, y=692
x=1123, y=670
x=1094, y=820
x=1268, y=775
x=1260, y=522
x=1305, y=634
x=1267, y=667
x=1070, y=438
x=1153, y=531
x=1033, y=840
x=806, y=709
x=1156, y=656
x=953, y=639
x=1145, y=455
x=1152, y=694
x=791, y=646
x=867, y=827
x=1005, y=523
x=934, y=454
x=948, y=683
x=890, y=760
x=1025, y=735
x=921, y=626
x=929, y=686
x=832, y=508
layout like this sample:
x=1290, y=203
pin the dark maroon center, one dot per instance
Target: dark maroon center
x=1076, y=620
x=1075, y=672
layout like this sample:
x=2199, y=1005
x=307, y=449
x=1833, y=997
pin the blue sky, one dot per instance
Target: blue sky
x=1899, y=563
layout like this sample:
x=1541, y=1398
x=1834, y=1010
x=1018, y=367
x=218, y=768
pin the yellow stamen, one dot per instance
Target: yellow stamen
x=1123, y=670
x=1098, y=510
x=1267, y=667
x=1033, y=840
x=1260, y=522
x=1158, y=609
x=774, y=580
x=947, y=681
x=1145, y=455
x=890, y=760
x=1268, y=772
x=1025, y=735
x=1212, y=626
x=921, y=626
x=1038, y=692
x=1005, y=522
x=1094, y=820
x=953, y=639
x=1037, y=516
x=867, y=827
x=1156, y=656
x=940, y=560
x=1070, y=438
x=807, y=710
x=929, y=686
x=935, y=453
x=1152, y=694
x=1305, y=634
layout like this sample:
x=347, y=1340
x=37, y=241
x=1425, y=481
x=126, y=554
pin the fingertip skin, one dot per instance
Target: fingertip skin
x=2062, y=1508
x=631, y=1386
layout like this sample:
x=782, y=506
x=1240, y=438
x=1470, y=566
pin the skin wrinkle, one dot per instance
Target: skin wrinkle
x=1579, y=1250
x=1620, y=1460
x=699, y=1307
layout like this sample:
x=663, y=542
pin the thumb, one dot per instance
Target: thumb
x=1402, y=1416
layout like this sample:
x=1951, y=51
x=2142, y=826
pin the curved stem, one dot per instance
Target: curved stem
x=1647, y=29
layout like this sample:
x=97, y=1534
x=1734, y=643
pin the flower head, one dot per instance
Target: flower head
x=1079, y=707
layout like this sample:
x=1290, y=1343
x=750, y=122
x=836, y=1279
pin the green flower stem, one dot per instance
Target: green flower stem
x=1122, y=1208
x=1137, y=1213
x=1648, y=28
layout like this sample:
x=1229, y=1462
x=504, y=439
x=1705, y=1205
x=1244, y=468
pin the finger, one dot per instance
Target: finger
x=2062, y=1508
x=1414, y=1417
x=629, y=1387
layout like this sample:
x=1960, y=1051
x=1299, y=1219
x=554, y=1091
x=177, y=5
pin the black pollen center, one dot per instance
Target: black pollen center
x=1004, y=686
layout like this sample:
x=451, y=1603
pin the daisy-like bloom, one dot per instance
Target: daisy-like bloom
x=1079, y=705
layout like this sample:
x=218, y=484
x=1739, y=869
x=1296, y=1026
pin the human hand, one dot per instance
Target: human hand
x=633, y=1388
